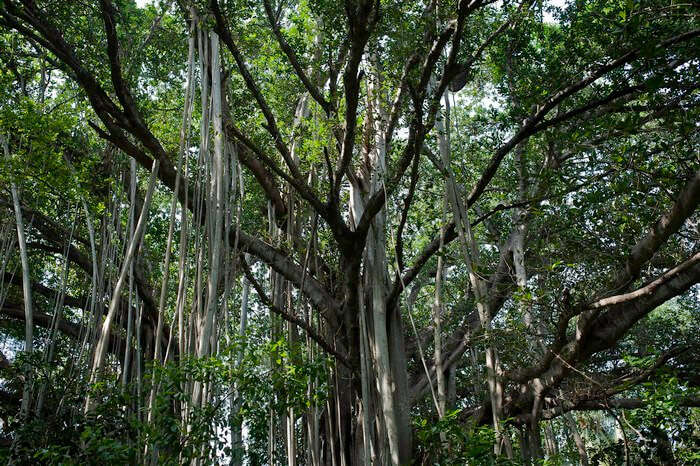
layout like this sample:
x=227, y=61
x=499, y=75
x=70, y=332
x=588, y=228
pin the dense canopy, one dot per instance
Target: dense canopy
x=358, y=232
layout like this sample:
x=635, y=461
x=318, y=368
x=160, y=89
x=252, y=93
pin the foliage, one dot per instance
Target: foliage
x=112, y=434
x=447, y=441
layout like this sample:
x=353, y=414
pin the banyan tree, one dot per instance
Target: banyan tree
x=357, y=232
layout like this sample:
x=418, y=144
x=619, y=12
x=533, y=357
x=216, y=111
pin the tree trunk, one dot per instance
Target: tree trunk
x=26, y=289
x=103, y=340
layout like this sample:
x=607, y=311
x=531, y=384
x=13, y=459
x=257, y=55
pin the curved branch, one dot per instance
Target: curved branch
x=292, y=56
x=291, y=318
x=222, y=29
